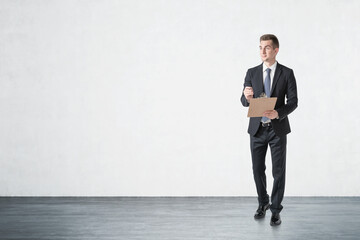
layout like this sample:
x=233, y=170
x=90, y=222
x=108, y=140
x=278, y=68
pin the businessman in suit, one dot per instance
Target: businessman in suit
x=275, y=80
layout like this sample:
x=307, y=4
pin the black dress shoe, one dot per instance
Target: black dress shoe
x=275, y=219
x=261, y=211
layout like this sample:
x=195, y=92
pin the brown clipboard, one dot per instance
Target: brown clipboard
x=259, y=105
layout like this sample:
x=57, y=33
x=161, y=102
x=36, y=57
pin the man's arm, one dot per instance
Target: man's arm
x=247, y=93
x=291, y=98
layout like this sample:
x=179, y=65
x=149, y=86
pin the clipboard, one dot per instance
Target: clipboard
x=259, y=105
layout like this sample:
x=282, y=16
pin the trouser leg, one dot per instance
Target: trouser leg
x=278, y=155
x=258, y=146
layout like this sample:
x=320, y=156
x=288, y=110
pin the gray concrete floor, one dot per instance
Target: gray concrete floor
x=176, y=218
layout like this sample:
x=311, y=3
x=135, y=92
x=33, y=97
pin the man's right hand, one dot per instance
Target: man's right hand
x=248, y=93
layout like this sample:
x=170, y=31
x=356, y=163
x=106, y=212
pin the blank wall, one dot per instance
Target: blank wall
x=141, y=98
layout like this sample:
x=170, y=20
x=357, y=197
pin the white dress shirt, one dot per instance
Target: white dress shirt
x=272, y=73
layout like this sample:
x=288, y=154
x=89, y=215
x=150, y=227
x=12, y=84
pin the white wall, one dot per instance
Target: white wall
x=141, y=98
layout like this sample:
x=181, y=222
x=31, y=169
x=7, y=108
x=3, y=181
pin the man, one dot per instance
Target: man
x=275, y=80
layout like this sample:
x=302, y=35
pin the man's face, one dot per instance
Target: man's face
x=267, y=52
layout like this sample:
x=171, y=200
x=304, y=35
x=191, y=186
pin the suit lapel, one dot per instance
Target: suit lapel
x=276, y=77
x=259, y=81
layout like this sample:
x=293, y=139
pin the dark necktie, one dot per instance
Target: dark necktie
x=267, y=89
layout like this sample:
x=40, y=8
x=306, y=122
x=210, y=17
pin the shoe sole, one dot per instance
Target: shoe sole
x=275, y=223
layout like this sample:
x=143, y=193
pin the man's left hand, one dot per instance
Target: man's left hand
x=271, y=114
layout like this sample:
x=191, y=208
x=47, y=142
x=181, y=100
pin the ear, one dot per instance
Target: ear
x=276, y=50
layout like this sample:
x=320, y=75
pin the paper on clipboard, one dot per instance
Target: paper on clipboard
x=259, y=105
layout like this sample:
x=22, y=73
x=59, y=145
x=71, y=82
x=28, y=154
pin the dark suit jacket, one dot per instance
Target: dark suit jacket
x=283, y=85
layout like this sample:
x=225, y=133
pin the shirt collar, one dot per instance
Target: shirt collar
x=272, y=67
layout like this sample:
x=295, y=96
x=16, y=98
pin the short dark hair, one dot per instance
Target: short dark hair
x=271, y=37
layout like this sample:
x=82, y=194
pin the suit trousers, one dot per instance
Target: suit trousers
x=258, y=144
